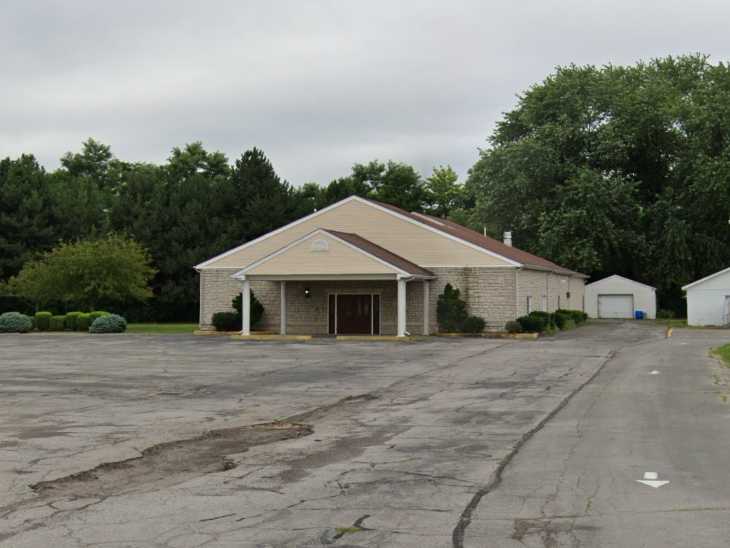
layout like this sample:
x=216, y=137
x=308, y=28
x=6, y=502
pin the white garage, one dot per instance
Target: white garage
x=708, y=300
x=617, y=297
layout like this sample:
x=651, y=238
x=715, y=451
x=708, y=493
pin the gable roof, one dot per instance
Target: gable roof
x=403, y=267
x=449, y=229
x=485, y=242
x=705, y=279
x=624, y=278
x=380, y=252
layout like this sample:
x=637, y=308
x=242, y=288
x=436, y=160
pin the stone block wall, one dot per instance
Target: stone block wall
x=545, y=287
x=488, y=292
x=531, y=283
x=218, y=289
x=491, y=295
x=496, y=294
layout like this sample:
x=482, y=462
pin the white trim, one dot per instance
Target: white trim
x=322, y=277
x=624, y=279
x=401, y=312
x=273, y=232
x=706, y=278
x=372, y=204
x=282, y=307
x=304, y=239
x=245, y=308
x=426, y=307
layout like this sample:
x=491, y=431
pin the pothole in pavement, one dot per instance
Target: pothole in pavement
x=170, y=463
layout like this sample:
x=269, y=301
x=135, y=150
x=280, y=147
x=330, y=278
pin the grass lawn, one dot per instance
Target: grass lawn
x=723, y=352
x=161, y=328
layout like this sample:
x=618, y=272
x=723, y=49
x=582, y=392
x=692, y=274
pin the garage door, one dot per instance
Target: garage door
x=615, y=306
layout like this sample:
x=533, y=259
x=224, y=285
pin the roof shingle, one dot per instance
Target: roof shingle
x=485, y=242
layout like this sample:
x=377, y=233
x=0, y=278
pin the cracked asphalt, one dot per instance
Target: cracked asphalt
x=574, y=483
x=182, y=441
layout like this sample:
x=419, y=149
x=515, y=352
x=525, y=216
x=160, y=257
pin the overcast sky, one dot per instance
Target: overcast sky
x=317, y=85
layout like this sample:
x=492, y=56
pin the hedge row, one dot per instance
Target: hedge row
x=541, y=322
x=72, y=321
x=97, y=321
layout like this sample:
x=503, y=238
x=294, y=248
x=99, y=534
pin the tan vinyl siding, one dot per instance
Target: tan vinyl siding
x=409, y=240
x=339, y=258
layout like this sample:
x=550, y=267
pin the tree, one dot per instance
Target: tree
x=179, y=212
x=443, y=192
x=616, y=170
x=259, y=200
x=393, y=183
x=95, y=162
x=88, y=274
x=451, y=310
x=342, y=188
x=27, y=222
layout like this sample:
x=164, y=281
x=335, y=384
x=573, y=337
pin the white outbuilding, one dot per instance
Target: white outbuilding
x=708, y=299
x=618, y=297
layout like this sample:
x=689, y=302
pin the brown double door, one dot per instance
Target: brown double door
x=355, y=314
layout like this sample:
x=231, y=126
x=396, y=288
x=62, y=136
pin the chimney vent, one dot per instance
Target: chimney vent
x=508, y=238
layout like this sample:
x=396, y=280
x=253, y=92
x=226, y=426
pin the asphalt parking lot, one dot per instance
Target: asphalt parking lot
x=140, y=440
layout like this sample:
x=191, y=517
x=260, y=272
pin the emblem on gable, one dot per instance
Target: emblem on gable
x=319, y=246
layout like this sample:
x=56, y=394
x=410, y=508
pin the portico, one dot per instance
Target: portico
x=334, y=283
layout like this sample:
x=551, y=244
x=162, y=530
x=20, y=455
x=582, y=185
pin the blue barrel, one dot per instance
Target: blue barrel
x=639, y=315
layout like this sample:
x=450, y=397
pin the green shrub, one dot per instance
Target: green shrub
x=43, y=321
x=578, y=316
x=451, y=310
x=57, y=323
x=257, y=309
x=473, y=324
x=562, y=317
x=71, y=320
x=545, y=317
x=531, y=324
x=15, y=322
x=569, y=323
x=227, y=321
x=513, y=327
x=83, y=322
x=110, y=323
x=97, y=314
x=664, y=314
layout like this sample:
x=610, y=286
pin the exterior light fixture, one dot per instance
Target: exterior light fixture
x=307, y=293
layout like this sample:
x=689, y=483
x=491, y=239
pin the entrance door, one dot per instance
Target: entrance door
x=354, y=314
x=726, y=311
x=616, y=306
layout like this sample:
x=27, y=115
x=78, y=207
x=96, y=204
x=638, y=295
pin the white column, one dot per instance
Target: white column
x=282, y=313
x=401, y=307
x=246, y=307
x=426, y=307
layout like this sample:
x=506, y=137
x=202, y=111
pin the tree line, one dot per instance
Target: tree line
x=194, y=206
x=613, y=169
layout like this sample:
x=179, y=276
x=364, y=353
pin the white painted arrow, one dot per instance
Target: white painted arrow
x=655, y=372
x=650, y=479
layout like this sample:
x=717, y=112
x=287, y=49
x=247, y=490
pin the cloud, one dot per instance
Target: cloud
x=317, y=85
